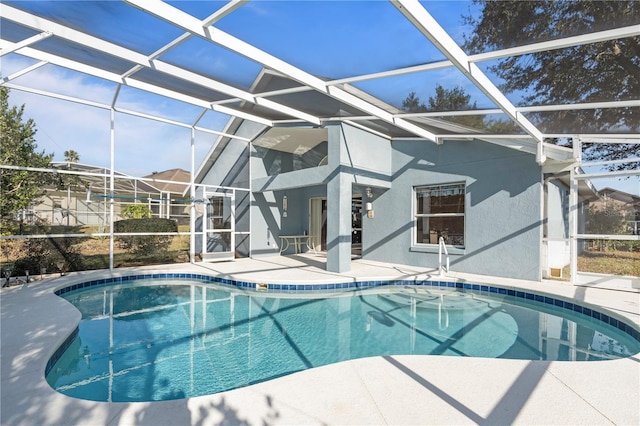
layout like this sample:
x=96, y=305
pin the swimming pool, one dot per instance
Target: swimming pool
x=165, y=339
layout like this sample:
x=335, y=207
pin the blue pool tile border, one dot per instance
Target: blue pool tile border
x=350, y=285
x=61, y=349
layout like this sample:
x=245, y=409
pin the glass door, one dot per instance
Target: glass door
x=318, y=224
x=356, y=227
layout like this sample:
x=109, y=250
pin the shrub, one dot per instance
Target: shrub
x=633, y=246
x=145, y=244
x=136, y=211
x=49, y=252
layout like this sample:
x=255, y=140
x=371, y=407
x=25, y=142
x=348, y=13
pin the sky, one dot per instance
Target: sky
x=332, y=39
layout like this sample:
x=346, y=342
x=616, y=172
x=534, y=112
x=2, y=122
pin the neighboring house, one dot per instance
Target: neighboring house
x=619, y=203
x=370, y=189
x=83, y=199
x=171, y=203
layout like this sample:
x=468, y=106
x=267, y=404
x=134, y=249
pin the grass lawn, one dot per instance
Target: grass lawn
x=610, y=262
x=95, y=254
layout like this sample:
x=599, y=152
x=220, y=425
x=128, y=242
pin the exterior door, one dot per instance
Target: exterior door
x=219, y=228
x=356, y=226
x=318, y=224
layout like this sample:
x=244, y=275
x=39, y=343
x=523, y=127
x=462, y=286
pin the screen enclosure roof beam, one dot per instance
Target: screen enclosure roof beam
x=199, y=28
x=432, y=30
x=142, y=61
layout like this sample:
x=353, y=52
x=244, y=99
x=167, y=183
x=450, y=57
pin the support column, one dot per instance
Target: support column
x=192, y=203
x=339, y=223
x=573, y=212
x=338, y=206
x=112, y=187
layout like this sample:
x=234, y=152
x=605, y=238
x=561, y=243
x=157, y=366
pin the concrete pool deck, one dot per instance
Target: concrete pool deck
x=412, y=389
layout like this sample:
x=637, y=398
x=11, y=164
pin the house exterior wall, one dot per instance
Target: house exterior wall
x=502, y=212
x=357, y=159
x=231, y=167
x=368, y=156
x=557, y=254
x=558, y=210
x=60, y=208
x=267, y=214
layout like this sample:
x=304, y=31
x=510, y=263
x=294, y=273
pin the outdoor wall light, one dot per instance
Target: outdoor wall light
x=89, y=194
x=369, y=192
x=369, y=205
x=284, y=206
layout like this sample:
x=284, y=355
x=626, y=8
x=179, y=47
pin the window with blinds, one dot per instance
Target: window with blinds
x=439, y=212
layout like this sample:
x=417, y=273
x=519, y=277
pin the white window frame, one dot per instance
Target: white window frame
x=417, y=216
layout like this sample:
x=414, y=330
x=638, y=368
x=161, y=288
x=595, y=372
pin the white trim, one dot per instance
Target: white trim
x=140, y=60
x=415, y=216
x=27, y=42
x=584, y=176
x=23, y=71
x=613, y=34
x=195, y=26
x=604, y=163
x=431, y=29
x=119, y=110
x=608, y=237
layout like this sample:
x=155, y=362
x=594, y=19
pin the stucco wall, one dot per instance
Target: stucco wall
x=365, y=152
x=503, y=222
x=558, y=248
x=558, y=210
x=231, y=167
x=502, y=211
x=268, y=221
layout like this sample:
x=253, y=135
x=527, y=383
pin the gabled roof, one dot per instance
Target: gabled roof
x=173, y=175
x=619, y=195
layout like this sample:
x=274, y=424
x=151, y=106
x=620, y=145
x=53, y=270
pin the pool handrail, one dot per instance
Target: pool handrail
x=442, y=247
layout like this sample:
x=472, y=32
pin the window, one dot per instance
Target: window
x=439, y=212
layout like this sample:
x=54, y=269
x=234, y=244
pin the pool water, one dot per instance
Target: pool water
x=159, y=341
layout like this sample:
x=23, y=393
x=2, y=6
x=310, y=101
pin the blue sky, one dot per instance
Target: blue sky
x=333, y=39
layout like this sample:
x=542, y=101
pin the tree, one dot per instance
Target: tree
x=412, y=104
x=456, y=99
x=606, y=70
x=450, y=100
x=608, y=220
x=71, y=156
x=18, y=148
